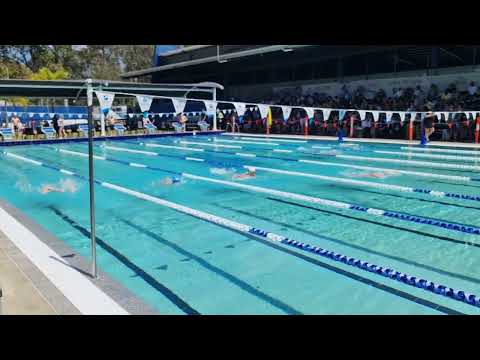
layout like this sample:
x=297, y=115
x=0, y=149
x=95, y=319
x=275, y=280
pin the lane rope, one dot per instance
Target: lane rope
x=413, y=281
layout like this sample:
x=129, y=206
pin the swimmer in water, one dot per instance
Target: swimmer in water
x=375, y=175
x=171, y=180
x=65, y=186
x=251, y=173
x=50, y=188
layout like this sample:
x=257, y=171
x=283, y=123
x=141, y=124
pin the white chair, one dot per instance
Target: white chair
x=150, y=128
x=49, y=132
x=119, y=128
x=203, y=125
x=178, y=127
x=83, y=128
x=6, y=133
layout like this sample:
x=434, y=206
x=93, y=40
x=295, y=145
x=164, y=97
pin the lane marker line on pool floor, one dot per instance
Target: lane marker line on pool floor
x=371, y=211
x=399, y=188
x=384, y=271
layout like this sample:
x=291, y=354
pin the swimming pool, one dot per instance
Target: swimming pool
x=417, y=215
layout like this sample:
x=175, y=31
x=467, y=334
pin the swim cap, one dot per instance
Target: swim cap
x=176, y=179
x=250, y=168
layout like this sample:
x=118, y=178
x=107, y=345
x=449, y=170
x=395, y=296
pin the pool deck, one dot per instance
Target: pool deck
x=106, y=138
x=359, y=140
x=40, y=274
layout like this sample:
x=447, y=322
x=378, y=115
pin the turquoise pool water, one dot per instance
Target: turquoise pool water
x=180, y=264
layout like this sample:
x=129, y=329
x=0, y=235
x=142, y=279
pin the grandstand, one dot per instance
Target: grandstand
x=250, y=72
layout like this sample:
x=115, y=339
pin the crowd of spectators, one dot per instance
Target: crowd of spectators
x=458, y=127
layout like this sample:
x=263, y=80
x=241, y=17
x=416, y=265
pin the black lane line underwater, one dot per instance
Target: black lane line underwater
x=377, y=223
x=367, y=281
x=178, y=173
x=202, y=262
x=414, y=231
x=354, y=246
x=335, y=185
x=169, y=294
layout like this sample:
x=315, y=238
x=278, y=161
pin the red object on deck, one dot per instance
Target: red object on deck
x=410, y=130
x=477, y=128
x=306, y=126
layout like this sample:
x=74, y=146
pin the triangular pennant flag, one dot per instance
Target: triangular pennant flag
x=105, y=99
x=375, y=115
x=341, y=114
x=210, y=106
x=130, y=116
x=179, y=104
x=145, y=102
x=42, y=114
x=263, y=110
x=402, y=115
x=310, y=112
x=51, y=115
x=446, y=115
x=240, y=107
x=388, y=116
x=30, y=114
x=326, y=114
x=287, y=110
x=362, y=113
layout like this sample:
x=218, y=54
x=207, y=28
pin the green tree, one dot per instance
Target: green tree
x=46, y=74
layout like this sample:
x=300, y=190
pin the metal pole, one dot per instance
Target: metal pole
x=91, y=130
x=215, y=111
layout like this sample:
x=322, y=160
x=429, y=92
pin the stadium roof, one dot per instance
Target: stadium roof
x=70, y=88
x=204, y=54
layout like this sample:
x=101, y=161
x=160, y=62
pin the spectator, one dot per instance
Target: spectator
x=472, y=88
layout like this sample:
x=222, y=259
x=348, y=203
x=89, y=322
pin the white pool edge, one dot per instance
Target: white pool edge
x=80, y=291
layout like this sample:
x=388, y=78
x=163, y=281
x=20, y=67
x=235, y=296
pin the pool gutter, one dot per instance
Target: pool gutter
x=71, y=268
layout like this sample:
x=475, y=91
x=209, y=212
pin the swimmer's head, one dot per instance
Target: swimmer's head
x=176, y=179
x=251, y=169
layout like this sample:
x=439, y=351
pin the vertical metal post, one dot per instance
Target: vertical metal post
x=215, y=111
x=91, y=130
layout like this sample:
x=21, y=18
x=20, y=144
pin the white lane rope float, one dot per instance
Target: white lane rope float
x=458, y=295
x=210, y=144
x=322, y=177
x=392, y=171
x=341, y=205
x=409, y=162
x=449, y=151
x=272, y=139
x=429, y=156
x=215, y=140
x=362, y=158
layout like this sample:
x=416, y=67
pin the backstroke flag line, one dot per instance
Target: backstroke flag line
x=145, y=102
x=179, y=105
x=105, y=99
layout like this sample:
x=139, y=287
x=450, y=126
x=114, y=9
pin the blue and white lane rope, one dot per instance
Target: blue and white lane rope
x=392, y=171
x=359, y=158
x=215, y=140
x=320, y=177
x=449, y=151
x=332, y=203
x=210, y=144
x=429, y=156
x=408, y=162
x=272, y=139
x=458, y=295
x=422, y=174
x=370, y=184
